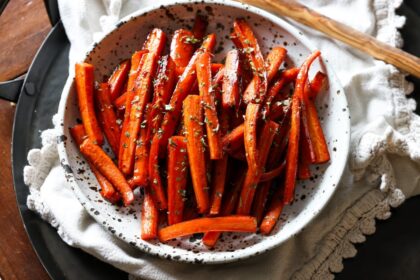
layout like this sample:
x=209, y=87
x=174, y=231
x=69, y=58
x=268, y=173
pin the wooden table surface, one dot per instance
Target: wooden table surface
x=23, y=26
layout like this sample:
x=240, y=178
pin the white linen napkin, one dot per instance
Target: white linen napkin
x=383, y=164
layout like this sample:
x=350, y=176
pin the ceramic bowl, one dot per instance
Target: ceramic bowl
x=127, y=37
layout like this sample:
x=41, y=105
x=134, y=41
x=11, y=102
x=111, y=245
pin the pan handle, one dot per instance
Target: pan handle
x=10, y=90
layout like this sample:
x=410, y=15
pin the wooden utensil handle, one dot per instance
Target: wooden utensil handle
x=341, y=32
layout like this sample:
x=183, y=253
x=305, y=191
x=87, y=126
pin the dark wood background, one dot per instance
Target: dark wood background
x=23, y=26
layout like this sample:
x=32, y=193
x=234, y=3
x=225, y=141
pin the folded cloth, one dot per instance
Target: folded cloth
x=382, y=170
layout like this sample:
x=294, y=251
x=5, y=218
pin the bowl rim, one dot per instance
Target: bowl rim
x=219, y=257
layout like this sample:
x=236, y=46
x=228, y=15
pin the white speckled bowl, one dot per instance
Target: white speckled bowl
x=311, y=195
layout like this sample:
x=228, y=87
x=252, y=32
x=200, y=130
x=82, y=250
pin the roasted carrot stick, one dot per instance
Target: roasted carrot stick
x=273, y=212
x=149, y=217
x=294, y=134
x=245, y=40
x=217, y=84
x=182, y=48
x=107, y=117
x=218, y=181
x=250, y=136
x=182, y=89
x=163, y=87
x=130, y=132
x=119, y=102
x=177, y=178
x=253, y=175
x=316, y=134
x=84, y=88
x=273, y=62
x=215, y=68
x=141, y=158
x=118, y=78
x=230, y=92
x=235, y=139
x=98, y=158
x=270, y=175
x=228, y=223
x=260, y=200
x=193, y=121
x=306, y=144
x=229, y=204
x=135, y=68
x=155, y=42
x=303, y=172
x=107, y=189
x=315, y=130
x=200, y=26
x=214, y=140
x=156, y=186
x=284, y=78
x=317, y=84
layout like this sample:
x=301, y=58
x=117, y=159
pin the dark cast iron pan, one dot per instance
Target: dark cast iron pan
x=391, y=253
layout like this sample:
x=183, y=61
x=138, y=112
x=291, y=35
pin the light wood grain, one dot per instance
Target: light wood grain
x=368, y=44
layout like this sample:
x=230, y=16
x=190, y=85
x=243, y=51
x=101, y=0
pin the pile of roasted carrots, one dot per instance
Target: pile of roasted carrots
x=215, y=147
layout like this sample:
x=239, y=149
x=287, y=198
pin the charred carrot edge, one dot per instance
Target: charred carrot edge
x=273, y=212
x=294, y=134
x=228, y=223
x=193, y=120
x=119, y=102
x=163, y=86
x=317, y=84
x=118, y=78
x=273, y=62
x=270, y=175
x=285, y=77
x=260, y=200
x=253, y=175
x=200, y=26
x=130, y=132
x=181, y=91
x=155, y=185
x=250, y=136
x=235, y=139
x=182, y=48
x=229, y=204
x=107, y=189
x=107, y=117
x=155, y=42
x=230, y=92
x=246, y=41
x=149, y=217
x=101, y=161
x=141, y=158
x=177, y=178
x=85, y=88
x=214, y=140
